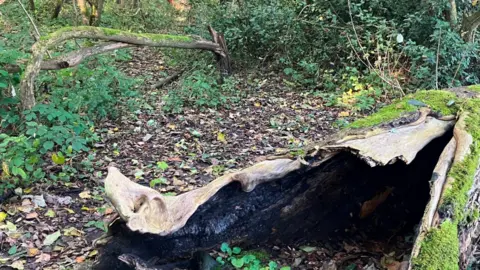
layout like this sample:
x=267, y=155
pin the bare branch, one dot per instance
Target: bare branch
x=27, y=85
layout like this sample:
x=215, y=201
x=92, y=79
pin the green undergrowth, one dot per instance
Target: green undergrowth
x=438, y=100
x=440, y=249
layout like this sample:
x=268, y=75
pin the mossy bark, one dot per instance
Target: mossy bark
x=39, y=49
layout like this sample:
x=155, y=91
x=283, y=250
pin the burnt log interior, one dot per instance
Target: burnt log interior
x=319, y=205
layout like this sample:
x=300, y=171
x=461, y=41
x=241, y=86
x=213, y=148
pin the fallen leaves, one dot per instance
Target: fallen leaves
x=51, y=238
x=32, y=215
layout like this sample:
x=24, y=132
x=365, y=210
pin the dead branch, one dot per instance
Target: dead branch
x=167, y=80
x=27, y=85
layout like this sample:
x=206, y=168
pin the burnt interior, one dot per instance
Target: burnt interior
x=319, y=205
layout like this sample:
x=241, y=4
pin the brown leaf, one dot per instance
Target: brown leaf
x=31, y=215
x=32, y=252
x=369, y=206
x=80, y=259
x=44, y=257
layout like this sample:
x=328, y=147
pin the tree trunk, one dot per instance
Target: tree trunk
x=389, y=175
x=453, y=14
x=470, y=24
x=83, y=11
x=31, y=5
x=27, y=85
x=58, y=9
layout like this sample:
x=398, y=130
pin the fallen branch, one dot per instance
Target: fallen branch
x=167, y=80
x=27, y=85
x=76, y=57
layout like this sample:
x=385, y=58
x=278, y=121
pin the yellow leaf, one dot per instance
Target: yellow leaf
x=3, y=216
x=93, y=253
x=221, y=137
x=27, y=190
x=344, y=114
x=84, y=208
x=171, y=126
x=11, y=227
x=32, y=252
x=257, y=104
x=58, y=159
x=71, y=231
x=5, y=168
x=69, y=210
x=50, y=213
x=115, y=129
x=474, y=2
x=18, y=265
x=85, y=194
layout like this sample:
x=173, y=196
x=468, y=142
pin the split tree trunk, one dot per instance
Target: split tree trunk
x=121, y=38
x=424, y=165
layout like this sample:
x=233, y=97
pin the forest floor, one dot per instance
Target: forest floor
x=53, y=225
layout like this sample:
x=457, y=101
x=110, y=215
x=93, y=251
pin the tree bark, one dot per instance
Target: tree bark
x=31, y=5
x=470, y=24
x=453, y=14
x=27, y=85
x=83, y=11
x=58, y=9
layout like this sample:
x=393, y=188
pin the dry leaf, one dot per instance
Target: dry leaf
x=44, y=257
x=32, y=252
x=369, y=206
x=80, y=259
x=50, y=213
x=85, y=194
x=31, y=215
x=70, y=211
x=17, y=264
x=344, y=114
x=257, y=104
x=93, y=253
x=51, y=238
x=72, y=231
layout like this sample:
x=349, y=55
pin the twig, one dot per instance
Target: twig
x=167, y=80
x=438, y=56
x=37, y=38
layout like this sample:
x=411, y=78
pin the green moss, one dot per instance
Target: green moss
x=440, y=249
x=475, y=88
x=113, y=32
x=457, y=195
x=260, y=254
x=436, y=99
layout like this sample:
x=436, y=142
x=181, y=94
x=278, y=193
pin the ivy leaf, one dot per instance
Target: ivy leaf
x=272, y=265
x=48, y=145
x=226, y=248
x=238, y=263
x=236, y=250
x=12, y=250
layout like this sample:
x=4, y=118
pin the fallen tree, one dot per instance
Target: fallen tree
x=119, y=39
x=414, y=164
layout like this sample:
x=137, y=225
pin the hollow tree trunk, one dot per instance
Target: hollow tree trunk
x=423, y=161
x=27, y=85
